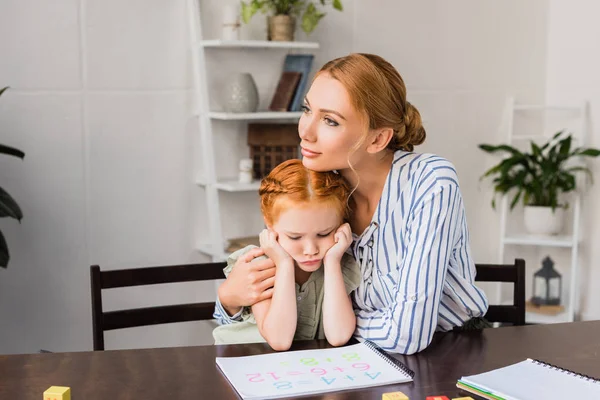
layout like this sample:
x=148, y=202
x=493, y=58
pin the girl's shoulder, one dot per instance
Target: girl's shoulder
x=350, y=272
x=233, y=257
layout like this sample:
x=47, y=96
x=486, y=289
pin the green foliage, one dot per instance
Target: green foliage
x=538, y=177
x=308, y=10
x=8, y=206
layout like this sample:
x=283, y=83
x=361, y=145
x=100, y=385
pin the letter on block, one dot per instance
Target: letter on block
x=57, y=393
x=394, y=396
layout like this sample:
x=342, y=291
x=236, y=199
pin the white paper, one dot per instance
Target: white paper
x=291, y=373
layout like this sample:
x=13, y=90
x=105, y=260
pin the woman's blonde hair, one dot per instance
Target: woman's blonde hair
x=378, y=91
x=292, y=184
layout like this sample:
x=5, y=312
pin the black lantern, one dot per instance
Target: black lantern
x=547, y=285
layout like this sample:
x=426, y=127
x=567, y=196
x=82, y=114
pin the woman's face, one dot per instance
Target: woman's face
x=329, y=127
x=306, y=233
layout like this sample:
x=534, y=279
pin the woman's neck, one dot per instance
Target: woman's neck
x=369, y=178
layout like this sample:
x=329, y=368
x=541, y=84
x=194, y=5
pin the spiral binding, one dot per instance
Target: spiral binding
x=390, y=360
x=567, y=371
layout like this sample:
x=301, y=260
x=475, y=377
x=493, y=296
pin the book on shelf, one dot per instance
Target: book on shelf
x=284, y=93
x=299, y=63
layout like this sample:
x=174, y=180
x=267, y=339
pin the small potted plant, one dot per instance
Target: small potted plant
x=283, y=13
x=8, y=206
x=539, y=179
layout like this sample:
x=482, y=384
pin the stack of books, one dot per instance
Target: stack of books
x=293, y=82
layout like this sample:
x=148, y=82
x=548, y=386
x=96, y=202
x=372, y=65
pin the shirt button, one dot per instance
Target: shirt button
x=299, y=298
x=414, y=298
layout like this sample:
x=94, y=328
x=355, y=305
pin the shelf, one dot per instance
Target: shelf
x=231, y=185
x=553, y=107
x=536, y=240
x=207, y=249
x=262, y=115
x=535, y=318
x=259, y=44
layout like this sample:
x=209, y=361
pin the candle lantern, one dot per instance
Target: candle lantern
x=547, y=285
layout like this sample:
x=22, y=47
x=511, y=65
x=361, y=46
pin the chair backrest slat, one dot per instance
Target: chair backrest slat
x=158, y=315
x=119, y=319
x=514, y=273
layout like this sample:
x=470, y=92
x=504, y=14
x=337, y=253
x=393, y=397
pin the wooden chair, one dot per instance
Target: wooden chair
x=106, y=321
x=515, y=273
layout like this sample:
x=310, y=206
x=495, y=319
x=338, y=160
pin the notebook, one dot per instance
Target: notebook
x=531, y=379
x=296, y=373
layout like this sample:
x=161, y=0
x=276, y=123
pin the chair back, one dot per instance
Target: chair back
x=515, y=273
x=106, y=321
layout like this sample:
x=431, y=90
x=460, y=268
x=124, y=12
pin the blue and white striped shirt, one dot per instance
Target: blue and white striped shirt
x=415, y=258
x=416, y=265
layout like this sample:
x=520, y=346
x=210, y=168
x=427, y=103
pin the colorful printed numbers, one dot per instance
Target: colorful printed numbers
x=394, y=396
x=437, y=398
x=57, y=393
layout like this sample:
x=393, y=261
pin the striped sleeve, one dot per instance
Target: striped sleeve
x=222, y=317
x=408, y=322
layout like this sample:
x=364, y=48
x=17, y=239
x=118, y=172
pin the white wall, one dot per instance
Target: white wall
x=572, y=77
x=100, y=104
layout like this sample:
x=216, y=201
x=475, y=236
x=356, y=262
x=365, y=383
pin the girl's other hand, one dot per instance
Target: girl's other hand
x=343, y=240
x=272, y=248
x=249, y=282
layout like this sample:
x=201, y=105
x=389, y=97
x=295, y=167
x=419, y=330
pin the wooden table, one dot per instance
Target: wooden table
x=190, y=372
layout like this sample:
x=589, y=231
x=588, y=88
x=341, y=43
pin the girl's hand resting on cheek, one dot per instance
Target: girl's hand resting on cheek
x=343, y=240
x=272, y=248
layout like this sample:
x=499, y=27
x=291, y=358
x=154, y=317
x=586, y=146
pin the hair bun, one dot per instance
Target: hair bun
x=414, y=130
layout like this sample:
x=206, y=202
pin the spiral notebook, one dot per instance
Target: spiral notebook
x=531, y=380
x=296, y=373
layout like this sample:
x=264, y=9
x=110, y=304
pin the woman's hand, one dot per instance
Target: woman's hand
x=272, y=248
x=249, y=282
x=343, y=240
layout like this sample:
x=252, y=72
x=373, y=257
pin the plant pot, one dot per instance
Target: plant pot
x=544, y=221
x=281, y=28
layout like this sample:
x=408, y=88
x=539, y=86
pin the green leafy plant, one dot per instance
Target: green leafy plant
x=538, y=177
x=309, y=10
x=8, y=206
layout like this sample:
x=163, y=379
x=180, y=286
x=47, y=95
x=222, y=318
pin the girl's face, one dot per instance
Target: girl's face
x=306, y=233
x=330, y=127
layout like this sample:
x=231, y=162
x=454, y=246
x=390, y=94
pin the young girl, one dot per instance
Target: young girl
x=306, y=239
x=408, y=219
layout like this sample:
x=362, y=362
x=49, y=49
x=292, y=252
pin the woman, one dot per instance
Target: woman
x=407, y=215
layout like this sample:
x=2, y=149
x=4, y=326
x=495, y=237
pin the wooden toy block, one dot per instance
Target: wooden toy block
x=57, y=393
x=437, y=398
x=463, y=398
x=394, y=396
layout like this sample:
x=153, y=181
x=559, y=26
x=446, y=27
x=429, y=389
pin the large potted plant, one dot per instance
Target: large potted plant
x=283, y=13
x=539, y=179
x=8, y=206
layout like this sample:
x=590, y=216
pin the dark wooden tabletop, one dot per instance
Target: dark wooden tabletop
x=191, y=373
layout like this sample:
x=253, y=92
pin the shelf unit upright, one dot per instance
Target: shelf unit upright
x=570, y=241
x=208, y=179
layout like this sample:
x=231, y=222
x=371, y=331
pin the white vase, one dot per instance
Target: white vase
x=544, y=221
x=240, y=94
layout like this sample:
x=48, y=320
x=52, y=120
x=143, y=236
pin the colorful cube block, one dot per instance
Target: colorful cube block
x=463, y=398
x=57, y=393
x=437, y=398
x=394, y=396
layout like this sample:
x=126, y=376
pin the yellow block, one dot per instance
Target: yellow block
x=394, y=396
x=57, y=393
x=463, y=398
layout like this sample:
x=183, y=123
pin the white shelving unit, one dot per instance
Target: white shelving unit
x=570, y=241
x=207, y=179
